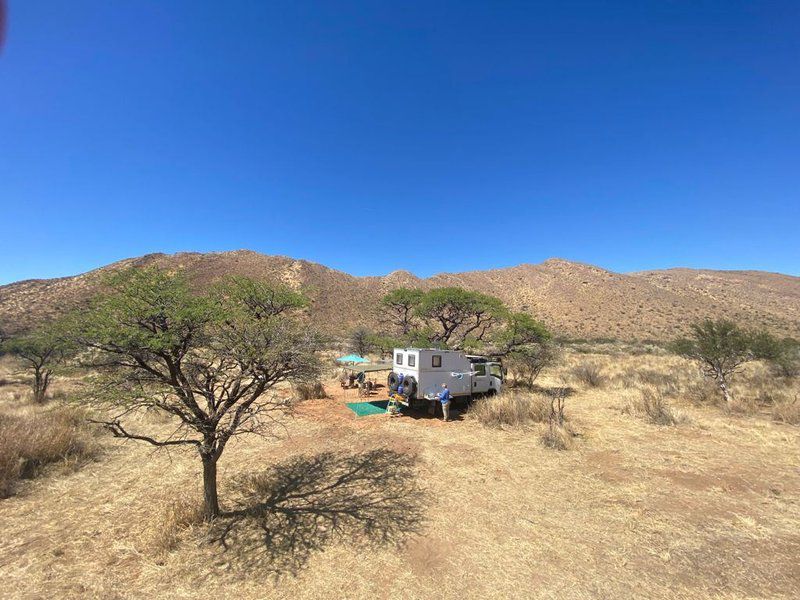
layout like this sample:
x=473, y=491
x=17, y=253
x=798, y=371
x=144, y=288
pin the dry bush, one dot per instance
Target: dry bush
x=511, y=410
x=652, y=405
x=310, y=391
x=559, y=437
x=703, y=391
x=176, y=516
x=30, y=442
x=589, y=374
x=787, y=410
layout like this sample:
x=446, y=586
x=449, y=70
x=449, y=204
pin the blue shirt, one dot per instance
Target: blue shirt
x=444, y=396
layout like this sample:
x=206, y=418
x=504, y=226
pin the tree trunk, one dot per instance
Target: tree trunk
x=210, y=501
x=40, y=381
x=725, y=393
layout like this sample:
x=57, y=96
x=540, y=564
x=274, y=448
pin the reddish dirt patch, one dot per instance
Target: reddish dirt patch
x=607, y=465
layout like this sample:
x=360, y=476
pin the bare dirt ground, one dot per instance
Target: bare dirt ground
x=708, y=509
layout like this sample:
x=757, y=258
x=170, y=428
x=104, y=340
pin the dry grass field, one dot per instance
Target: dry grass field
x=707, y=508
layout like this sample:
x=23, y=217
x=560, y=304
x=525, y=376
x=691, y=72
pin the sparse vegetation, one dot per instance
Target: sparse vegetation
x=31, y=442
x=653, y=406
x=511, y=409
x=589, y=374
x=787, y=410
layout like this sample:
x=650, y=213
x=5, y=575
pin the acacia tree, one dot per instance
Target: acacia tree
x=527, y=343
x=208, y=361
x=720, y=348
x=41, y=351
x=456, y=316
x=398, y=309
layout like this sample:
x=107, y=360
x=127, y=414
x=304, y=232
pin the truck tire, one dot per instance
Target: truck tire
x=393, y=381
x=409, y=387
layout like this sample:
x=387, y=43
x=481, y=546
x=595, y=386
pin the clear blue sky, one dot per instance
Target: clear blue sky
x=428, y=136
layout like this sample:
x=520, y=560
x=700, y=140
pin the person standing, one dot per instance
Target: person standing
x=444, y=398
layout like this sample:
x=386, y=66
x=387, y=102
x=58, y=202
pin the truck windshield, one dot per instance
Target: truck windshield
x=496, y=370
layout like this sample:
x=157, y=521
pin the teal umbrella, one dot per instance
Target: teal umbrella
x=351, y=358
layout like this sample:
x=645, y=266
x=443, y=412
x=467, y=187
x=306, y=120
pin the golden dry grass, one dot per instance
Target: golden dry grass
x=511, y=409
x=705, y=510
x=37, y=440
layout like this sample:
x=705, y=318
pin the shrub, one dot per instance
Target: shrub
x=310, y=391
x=589, y=374
x=787, y=411
x=29, y=443
x=653, y=406
x=558, y=437
x=511, y=410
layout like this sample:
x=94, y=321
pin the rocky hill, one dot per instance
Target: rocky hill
x=574, y=299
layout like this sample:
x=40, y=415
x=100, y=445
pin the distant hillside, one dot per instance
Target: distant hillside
x=574, y=299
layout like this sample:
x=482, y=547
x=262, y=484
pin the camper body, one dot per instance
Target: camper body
x=466, y=376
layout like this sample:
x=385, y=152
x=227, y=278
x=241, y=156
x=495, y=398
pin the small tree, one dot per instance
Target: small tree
x=527, y=363
x=521, y=332
x=361, y=341
x=398, y=309
x=384, y=344
x=720, y=348
x=41, y=351
x=207, y=361
x=783, y=355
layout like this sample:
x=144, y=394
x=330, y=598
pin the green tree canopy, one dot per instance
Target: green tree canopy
x=206, y=360
x=42, y=351
x=720, y=347
x=398, y=309
x=455, y=315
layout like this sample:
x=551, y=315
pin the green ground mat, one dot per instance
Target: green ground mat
x=362, y=409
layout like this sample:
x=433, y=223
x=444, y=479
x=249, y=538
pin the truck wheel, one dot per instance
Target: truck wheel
x=393, y=381
x=409, y=388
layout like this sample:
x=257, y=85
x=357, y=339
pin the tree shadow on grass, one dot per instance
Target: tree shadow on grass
x=305, y=504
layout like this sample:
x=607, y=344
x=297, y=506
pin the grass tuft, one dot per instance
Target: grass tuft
x=652, y=405
x=787, y=411
x=310, y=391
x=589, y=374
x=511, y=409
x=31, y=442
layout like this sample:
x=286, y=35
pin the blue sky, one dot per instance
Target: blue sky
x=428, y=136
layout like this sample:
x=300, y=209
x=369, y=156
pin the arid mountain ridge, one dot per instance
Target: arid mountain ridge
x=575, y=300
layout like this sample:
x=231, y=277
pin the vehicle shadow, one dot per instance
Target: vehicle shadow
x=285, y=514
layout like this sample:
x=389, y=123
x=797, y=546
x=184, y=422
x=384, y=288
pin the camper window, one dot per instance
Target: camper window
x=436, y=360
x=412, y=360
x=398, y=358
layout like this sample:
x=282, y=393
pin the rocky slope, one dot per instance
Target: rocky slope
x=574, y=299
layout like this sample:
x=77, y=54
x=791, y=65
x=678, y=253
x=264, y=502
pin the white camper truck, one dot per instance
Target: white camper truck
x=418, y=374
